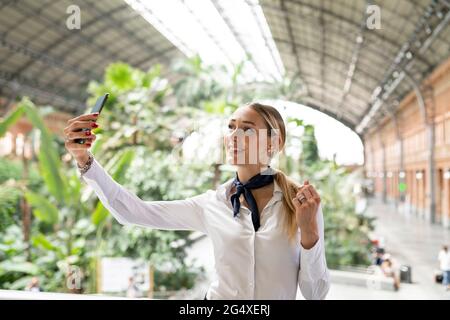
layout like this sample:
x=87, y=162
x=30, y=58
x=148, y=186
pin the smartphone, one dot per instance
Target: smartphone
x=97, y=108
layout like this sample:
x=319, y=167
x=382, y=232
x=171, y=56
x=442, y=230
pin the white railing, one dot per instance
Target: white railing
x=29, y=295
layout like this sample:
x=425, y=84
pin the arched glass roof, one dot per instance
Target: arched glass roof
x=349, y=71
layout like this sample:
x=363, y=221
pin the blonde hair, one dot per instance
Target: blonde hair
x=273, y=120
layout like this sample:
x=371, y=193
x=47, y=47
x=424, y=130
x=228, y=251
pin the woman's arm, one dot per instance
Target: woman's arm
x=127, y=208
x=313, y=277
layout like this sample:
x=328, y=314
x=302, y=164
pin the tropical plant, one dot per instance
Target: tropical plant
x=56, y=241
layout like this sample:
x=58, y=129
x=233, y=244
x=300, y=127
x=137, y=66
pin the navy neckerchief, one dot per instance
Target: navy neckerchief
x=258, y=181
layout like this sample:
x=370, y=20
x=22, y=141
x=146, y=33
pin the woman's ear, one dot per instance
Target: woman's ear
x=274, y=144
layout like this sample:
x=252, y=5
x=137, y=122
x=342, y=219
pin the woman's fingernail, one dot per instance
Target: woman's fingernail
x=88, y=144
x=94, y=125
x=88, y=133
x=96, y=114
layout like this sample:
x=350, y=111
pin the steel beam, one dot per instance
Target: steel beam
x=428, y=119
x=404, y=61
x=236, y=35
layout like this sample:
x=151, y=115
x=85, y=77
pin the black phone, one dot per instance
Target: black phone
x=97, y=108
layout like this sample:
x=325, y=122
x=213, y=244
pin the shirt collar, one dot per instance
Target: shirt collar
x=223, y=190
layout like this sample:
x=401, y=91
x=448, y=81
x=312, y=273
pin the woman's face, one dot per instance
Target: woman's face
x=247, y=140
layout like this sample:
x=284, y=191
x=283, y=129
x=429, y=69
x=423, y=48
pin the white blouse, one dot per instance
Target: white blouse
x=249, y=264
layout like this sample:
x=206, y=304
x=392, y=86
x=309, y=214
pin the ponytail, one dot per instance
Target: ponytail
x=289, y=189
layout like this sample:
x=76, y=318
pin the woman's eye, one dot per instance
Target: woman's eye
x=247, y=130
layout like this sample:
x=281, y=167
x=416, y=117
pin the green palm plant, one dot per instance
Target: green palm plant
x=49, y=162
x=58, y=208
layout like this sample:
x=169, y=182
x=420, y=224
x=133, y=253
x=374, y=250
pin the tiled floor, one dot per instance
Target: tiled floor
x=412, y=241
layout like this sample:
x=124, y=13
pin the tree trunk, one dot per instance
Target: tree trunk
x=135, y=134
x=24, y=206
x=216, y=178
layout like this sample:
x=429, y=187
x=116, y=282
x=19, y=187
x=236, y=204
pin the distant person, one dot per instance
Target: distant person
x=33, y=285
x=390, y=271
x=444, y=261
x=378, y=259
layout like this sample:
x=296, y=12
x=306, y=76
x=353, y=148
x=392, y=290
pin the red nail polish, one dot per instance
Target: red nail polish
x=88, y=133
x=88, y=144
x=96, y=114
x=94, y=125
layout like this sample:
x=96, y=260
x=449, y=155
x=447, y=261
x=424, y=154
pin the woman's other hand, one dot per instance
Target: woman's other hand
x=306, y=203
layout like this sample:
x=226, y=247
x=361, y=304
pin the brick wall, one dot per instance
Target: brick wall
x=412, y=129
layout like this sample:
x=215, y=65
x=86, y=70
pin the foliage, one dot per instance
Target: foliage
x=310, y=151
x=56, y=241
x=198, y=83
x=183, y=278
x=9, y=198
x=346, y=232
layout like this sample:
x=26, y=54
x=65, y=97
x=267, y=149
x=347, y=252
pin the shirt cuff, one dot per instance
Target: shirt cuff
x=100, y=181
x=312, y=262
x=90, y=172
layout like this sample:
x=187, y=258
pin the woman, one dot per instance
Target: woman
x=267, y=232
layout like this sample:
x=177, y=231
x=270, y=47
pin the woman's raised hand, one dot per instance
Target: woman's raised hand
x=80, y=128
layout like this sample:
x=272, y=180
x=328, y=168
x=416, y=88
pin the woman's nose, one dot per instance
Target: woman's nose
x=231, y=135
